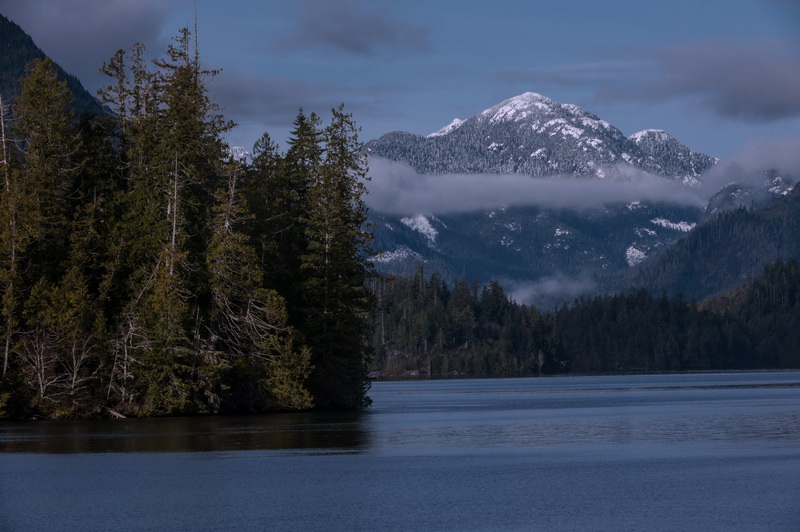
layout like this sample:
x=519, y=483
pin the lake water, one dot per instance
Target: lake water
x=655, y=452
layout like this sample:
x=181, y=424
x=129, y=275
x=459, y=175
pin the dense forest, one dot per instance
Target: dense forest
x=145, y=271
x=425, y=327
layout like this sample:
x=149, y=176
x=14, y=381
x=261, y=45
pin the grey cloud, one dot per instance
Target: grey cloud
x=353, y=26
x=598, y=73
x=752, y=81
x=749, y=162
x=258, y=103
x=81, y=34
x=398, y=189
x=755, y=81
x=248, y=96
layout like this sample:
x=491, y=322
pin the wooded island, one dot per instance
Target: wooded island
x=146, y=271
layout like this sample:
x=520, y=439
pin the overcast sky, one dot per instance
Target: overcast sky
x=713, y=73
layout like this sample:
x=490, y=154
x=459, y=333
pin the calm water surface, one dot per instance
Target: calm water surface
x=654, y=452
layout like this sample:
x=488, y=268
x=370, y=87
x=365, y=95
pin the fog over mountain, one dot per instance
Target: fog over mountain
x=398, y=189
x=748, y=163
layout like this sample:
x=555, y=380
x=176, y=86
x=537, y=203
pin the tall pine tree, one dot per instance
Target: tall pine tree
x=335, y=269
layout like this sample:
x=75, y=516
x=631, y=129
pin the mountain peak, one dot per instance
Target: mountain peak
x=519, y=107
x=657, y=134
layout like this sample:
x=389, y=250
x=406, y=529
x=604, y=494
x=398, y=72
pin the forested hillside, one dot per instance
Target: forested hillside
x=144, y=271
x=723, y=253
x=426, y=328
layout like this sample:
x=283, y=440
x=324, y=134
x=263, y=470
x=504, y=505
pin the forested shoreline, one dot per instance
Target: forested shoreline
x=145, y=271
x=425, y=327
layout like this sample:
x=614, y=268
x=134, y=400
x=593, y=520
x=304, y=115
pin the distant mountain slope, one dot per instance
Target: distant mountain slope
x=16, y=50
x=725, y=252
x=534, y=135
x=666, y=156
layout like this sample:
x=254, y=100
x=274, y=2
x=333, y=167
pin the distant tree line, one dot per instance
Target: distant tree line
x=425, y=327
x=145, y=271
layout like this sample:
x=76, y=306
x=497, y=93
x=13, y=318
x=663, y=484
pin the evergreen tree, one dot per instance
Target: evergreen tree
x=49, y=141
x=170, y=132
x=264, y=190
x=335, y=269
x=288, y=192
x=12, y=243
x=248, y=321
x=35, y=217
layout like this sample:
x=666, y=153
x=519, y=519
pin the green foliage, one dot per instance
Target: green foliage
x=288, y=372
x=143, y=272
x=336, y=307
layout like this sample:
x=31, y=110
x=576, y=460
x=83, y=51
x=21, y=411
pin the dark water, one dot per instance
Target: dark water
x=657, y=452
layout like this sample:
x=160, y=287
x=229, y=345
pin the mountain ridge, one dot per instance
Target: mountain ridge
x=534, y=135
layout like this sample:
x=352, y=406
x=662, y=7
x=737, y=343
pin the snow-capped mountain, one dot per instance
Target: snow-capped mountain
x=551, y=254
x=666, y=156
x=238, y=153
x=534, y=135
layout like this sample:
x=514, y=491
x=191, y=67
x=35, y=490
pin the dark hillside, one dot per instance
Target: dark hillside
x=16, y=50
x=723, y=253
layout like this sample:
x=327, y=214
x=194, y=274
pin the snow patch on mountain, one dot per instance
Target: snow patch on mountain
x=238, y=154
x=571, y=131
x=634, y=256
x=421, y=224
x=675, y=226
x=448, y=128
x=401, y=253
